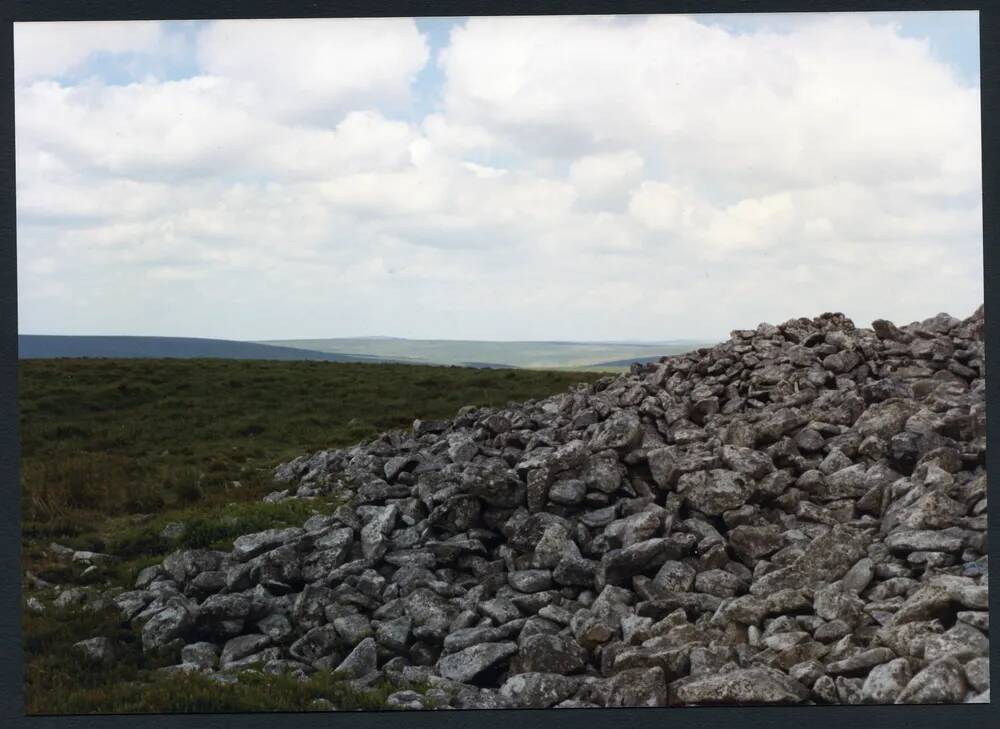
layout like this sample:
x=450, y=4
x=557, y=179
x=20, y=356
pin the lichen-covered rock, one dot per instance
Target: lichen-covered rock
x=201, y=655
x=743, y=686
x=361, y=661
x=886, y=681
x=538, y=690
x=317, y=643
x=250, y=545
x=466, y=665
x=713, y=492
x=638, y=687
x=942, y=682
x=174, y=622
x=97, y=650
x=961, y=642
x=977, y=671
x=622, y=431
x=405, y=700
x=242, y=646
x=551, y=654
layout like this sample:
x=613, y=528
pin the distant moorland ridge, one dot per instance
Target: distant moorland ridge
x=478, y=354
x=44, y=346
x=528, y=354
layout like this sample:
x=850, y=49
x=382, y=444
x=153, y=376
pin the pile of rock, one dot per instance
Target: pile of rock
x=797, y=515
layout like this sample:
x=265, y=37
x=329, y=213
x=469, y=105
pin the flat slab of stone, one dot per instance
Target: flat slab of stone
x=467, y=664
x=745, y=686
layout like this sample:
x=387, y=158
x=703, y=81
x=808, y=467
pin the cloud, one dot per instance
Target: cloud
x=578, y=178
x=604, y=180
x=50, y=49
x=838, y=98
x=193, y=129
x=316, y=68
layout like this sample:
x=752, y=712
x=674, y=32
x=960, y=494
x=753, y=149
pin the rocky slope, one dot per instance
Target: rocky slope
x=797, y=515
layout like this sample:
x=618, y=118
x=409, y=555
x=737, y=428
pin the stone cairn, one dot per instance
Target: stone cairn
x=795, y=516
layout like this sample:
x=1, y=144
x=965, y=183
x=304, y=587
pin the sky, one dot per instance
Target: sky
x=544, y=178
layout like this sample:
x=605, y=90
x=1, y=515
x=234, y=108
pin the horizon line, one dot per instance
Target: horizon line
x=266, y=342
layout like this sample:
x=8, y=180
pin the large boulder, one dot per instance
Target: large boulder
x=714, y=492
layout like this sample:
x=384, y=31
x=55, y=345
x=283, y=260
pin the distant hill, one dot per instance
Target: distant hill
x=629, y=362
x=535, y=355
x=44, y=346
x=454, y=353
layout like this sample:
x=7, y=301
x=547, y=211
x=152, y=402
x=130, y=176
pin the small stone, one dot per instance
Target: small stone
x=961, y=642
x=975, y=618
x=713, y=492
x=405, y=700
x=923, y=541
x=638, y=687
x=97, y=650
x=743, y=686
x=242, y=646
x=719, y=583
x=250, y=545
x=530, y=580
x=276, y=627
x=173, y=531
x=319, y=642
x=885, y=682
x=353, y=628
x=859, y=576
x=569, y=492
x=465, y=665
x=34, y=605
x=500, y=610
x=861, y=662
x=619, y=565
x=942, y=682
x=538, y=690
x=201, y=654
x=977, y=671
x=807, y=672
x=361, y=661
x=171, y=623
x=551, y=654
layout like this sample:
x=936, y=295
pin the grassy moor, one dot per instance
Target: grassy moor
x=115, y=453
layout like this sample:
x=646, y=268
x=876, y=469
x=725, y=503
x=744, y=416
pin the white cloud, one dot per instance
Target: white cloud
x=318, y=68
x=839, y=98
x=604, y=180
x=662, y=206
x=579, y=178
x=47, y=49
x=143, y=130
x=192, y=128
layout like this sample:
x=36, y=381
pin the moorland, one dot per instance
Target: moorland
x=115, y=451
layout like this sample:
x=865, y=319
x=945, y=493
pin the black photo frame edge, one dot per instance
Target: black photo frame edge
x=12, y=714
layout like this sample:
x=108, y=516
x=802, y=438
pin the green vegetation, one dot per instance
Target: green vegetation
x=114, y=450
x=60, y=683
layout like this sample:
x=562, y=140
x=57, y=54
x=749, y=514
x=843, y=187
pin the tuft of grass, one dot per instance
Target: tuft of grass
x=197, y=693
x=55, y=672
x=59, y=681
